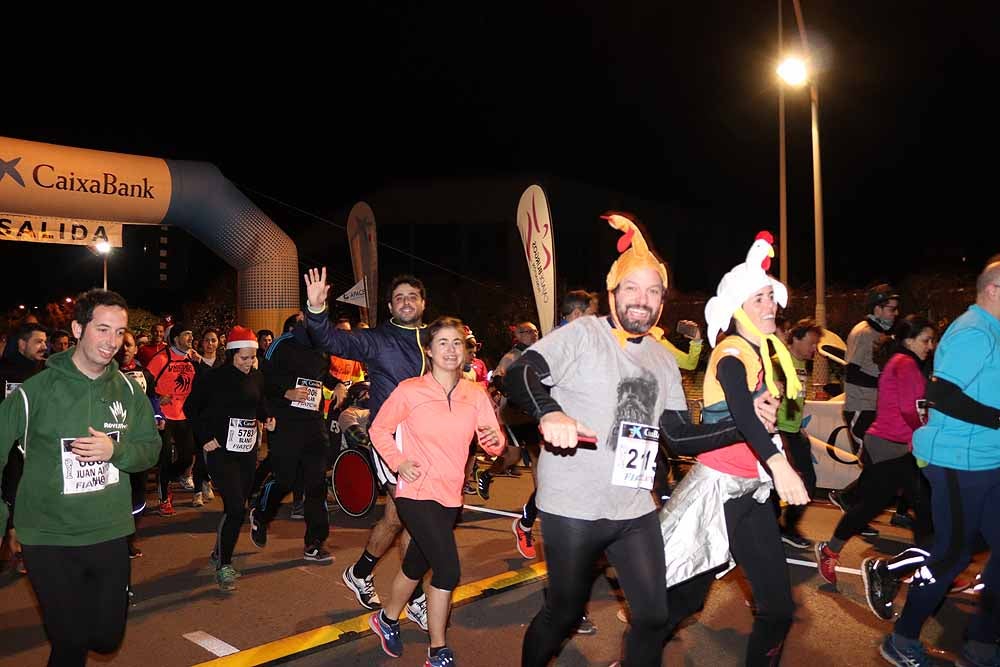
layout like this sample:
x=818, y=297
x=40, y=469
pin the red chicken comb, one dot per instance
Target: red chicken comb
x=766, y=236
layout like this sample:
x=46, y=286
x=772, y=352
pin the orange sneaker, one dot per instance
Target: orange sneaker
x=827, y=561
x=525, y=541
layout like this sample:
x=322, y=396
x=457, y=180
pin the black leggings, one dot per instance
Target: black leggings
x=293, y=445
x=11, y=478
x=432, y=527
x=573, y=546
x=800, y=456
x=877, y=488
x=177, y=435
x=756, y=547
x=233, y=475
x=83, y=594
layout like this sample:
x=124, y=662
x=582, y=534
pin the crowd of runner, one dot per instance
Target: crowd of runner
x=595, y=409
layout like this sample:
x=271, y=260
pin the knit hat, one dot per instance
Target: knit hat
x=878, y=295
x=241, y=337
x=635, y=254
x=176, y=329
x=742, y=281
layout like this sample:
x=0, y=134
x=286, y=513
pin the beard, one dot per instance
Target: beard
x=632, y=325
x=411, y=320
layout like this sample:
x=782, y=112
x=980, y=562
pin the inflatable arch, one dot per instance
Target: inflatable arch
x=40, y=179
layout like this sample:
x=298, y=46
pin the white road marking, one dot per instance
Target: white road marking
x=809, y=563
x=477, y=508
x=213, y=645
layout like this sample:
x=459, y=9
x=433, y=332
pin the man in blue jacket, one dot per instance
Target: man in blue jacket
x=961, y=447
x=392, y=352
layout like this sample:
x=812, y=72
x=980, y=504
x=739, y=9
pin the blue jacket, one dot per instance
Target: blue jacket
x=391, y=352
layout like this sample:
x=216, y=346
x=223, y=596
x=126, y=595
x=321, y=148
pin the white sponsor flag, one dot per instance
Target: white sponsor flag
x=534, y=222
x=357, y=295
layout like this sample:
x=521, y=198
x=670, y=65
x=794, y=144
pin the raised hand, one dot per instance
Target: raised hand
x=316, y=287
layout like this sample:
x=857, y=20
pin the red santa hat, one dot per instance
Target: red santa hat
x=241, y=337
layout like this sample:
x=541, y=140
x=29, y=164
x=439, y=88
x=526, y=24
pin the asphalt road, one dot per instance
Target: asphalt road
x=286, y=608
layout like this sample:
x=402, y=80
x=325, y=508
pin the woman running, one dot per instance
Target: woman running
x=224, y=408
x=422, y=432
x=721, y=509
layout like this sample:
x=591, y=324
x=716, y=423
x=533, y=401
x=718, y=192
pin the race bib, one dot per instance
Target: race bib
x=139, y=377
x=315, y=388
x=80, y=477
x=635, y=457
x=242, y=435
x=9, y=388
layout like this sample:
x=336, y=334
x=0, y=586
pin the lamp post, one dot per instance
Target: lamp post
x=104, y=248
x=795, y=72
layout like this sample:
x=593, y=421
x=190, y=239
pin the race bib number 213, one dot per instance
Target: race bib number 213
x=635, y=456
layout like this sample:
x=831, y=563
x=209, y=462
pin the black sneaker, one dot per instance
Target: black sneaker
x=880, y=587
x=868, y=532
x=837, y=498
x=901, y=520
x=317, y=554
x=258, y=530
x=586, y=627
x=796, y=541
x=483, y=481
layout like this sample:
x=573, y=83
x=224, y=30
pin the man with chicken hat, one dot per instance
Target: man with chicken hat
x=720, y=512
x=597, y=387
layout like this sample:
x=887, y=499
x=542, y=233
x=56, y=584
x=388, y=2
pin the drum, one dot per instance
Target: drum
x=354, y=484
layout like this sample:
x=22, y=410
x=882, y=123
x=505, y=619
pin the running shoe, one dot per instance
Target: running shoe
x=19, y=565
x=868, y=532
x=469, y=489
x=388, y=633
x=298, y=510
x=316, y=553
x=416, y=611
x=525, y=542
x=258, y=530
x=187, y=483
x=795, y=540
x=901, y=520
x=444, y=658
x=827, y=561
x=837, y=498
x=586, y=627
x=483, y=481
x=363, y=589
x=134, y=551
x=880, y=587
x=513, y=472
x=226, y=578
x=904, y=656
x=197, y=500
x=207, y=492
x=166, y=507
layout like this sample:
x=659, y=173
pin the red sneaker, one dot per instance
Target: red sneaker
x=525, y=541
x=827, y=561
x=166, y=507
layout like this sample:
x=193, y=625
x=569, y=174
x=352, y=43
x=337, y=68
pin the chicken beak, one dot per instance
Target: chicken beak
x=770, y=252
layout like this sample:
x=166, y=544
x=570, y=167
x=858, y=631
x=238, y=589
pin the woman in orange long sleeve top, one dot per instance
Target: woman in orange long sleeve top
x=423, y=432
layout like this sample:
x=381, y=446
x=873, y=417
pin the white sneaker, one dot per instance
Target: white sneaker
x=187, y=483
x=197, y=500
x=416, y=611
x=206, y=490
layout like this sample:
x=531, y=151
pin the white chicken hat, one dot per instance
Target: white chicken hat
x=741, y=282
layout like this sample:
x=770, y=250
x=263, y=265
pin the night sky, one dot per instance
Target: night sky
x=672, y=102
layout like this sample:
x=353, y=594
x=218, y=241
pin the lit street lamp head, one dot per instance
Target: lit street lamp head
x=103, y=247
x=793, y=71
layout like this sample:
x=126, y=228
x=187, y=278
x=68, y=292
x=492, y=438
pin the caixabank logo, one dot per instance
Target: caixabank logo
x=50, y=177
x=9, y=168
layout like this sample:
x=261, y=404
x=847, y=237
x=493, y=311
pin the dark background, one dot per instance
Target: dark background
x=674, y=103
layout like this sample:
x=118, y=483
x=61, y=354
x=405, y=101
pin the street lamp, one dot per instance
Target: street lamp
x=796, y=72
x=104, y=248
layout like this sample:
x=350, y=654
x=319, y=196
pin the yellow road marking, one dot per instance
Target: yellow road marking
x=327, y=634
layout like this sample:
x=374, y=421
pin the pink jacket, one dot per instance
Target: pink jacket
x=433, y=428
x=899, y=386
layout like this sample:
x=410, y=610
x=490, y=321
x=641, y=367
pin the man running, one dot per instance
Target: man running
x=82, y=424
x=392, y=352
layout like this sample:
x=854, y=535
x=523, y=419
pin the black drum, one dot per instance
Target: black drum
x=354, y=484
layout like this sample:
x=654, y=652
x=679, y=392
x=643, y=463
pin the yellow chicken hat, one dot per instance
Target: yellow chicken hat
x=635, y=254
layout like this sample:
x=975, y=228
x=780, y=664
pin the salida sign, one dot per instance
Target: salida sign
x=73, y=231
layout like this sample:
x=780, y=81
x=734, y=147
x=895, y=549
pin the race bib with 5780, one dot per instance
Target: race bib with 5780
x=242, y=435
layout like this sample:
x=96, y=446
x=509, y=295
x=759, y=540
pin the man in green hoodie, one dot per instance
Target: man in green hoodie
x=81, y=423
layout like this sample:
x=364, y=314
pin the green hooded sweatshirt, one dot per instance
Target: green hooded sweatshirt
x=60, y=501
